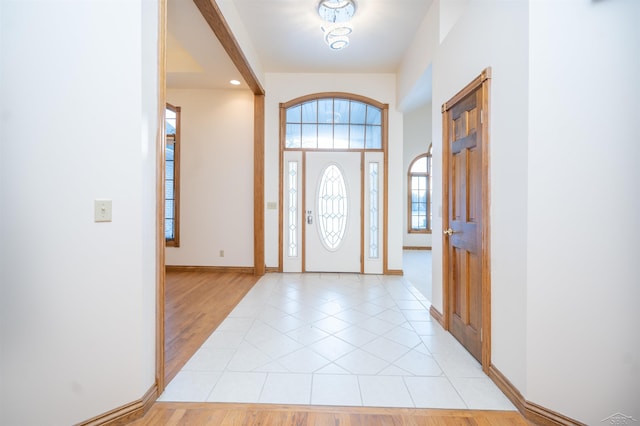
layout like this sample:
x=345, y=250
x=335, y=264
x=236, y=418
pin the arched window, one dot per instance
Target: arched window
x=333, y=123
x=419, y=188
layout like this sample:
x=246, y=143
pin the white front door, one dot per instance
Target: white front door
x=332, y=211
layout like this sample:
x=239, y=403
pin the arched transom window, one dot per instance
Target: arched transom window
x=333, y=123
x=419, y=188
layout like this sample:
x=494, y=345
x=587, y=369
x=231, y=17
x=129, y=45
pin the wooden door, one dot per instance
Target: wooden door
x=466, y=272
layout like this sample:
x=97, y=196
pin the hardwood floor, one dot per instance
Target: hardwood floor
x=169, y=413
x=195, y=304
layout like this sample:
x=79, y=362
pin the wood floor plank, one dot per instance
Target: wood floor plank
x=196, y=303
x=203, y=414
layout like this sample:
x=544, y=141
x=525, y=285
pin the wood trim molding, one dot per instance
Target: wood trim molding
x=282, y=129
x=362, y=189
x=416, y=247
x=214, y=17
x=436, y=315
x=160, y=188
x=187, y=268
x=127, y=413
x=385, y=183
x=535, y=413
x=399, y=272
x=446, y=166
x=258, y=185
x=477, y=82
x=343, y=95
x=485, y=76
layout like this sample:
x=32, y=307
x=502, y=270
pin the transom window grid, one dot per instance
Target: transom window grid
x=172, y=167
x=419, y=197
x=333, y=123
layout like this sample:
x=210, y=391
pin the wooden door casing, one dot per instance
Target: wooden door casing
x=465, y=205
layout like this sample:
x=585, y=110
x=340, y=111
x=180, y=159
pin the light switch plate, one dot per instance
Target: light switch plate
x=272, y=205
x=102, y=210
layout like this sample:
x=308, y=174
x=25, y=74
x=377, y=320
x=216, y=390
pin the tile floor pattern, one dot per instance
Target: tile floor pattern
x=335, y=339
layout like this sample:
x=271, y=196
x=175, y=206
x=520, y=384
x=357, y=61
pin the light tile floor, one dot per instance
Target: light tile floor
x=335, y=339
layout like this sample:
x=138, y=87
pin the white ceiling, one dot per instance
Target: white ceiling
x=287, y=38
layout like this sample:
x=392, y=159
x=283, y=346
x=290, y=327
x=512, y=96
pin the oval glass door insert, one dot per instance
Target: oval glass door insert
x=332, y=207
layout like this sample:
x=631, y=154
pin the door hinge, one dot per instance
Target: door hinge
x=481, y=116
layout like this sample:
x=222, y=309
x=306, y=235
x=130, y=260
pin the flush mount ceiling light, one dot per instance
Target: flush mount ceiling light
x=336, y=16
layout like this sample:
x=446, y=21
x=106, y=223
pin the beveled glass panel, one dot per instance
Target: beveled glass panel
x=373, y=137
x=356, y=137
x=358, y=112
x=169, y=152
x=325, y=136
x=293, y=138
x=332, y=207
x=292, y=208
x=374, y=243
x=309, y=135
x=310, y=112
x=294, y=114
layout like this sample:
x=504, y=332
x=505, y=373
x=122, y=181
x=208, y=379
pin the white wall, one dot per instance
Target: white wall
x=78, y=117
x=564, y=284
x=493, y=33
x=216, y=178
x=284, y=87
x=419, y=54
x=583, y=341
x=417, y=138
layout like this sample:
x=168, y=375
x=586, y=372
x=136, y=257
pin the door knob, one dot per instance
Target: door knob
x=449, y=232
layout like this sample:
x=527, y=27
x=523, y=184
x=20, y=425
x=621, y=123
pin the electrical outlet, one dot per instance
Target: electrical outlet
x=102, y=210
x=221, y=253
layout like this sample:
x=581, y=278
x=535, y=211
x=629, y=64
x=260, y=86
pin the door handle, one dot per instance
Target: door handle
x=449, y=232
x=309, y=218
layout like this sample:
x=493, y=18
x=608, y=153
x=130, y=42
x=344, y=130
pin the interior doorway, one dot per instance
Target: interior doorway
x=466, y=282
